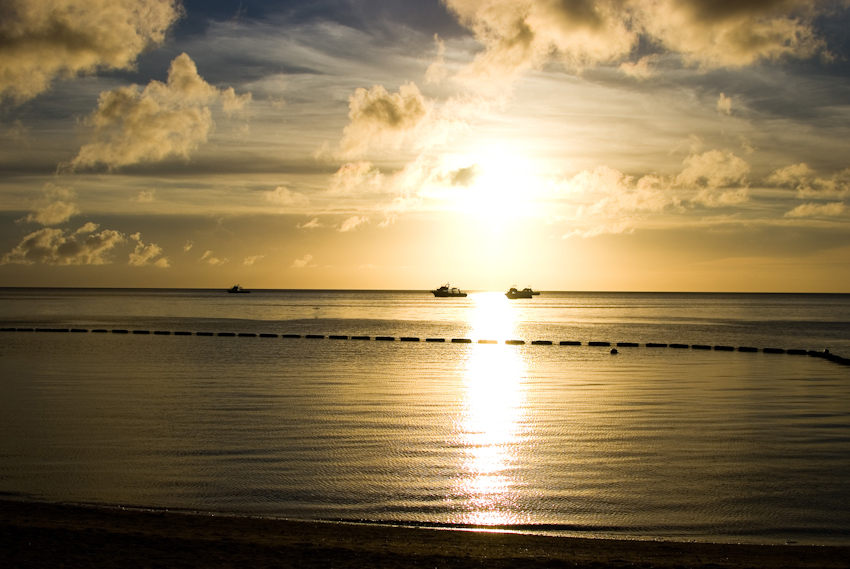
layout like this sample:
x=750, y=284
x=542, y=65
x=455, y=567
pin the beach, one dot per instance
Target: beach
x=75, y=536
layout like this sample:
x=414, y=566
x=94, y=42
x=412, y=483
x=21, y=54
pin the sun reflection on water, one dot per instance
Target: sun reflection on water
x=491, y=428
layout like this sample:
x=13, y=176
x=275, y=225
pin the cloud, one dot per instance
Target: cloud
x=208, y=258
x=712, y=197
x=713, y=169
x=302, y=262
x=146, y=196
x=617, y=194
x=286, y=197
x=352, y=223
x=642, y=69
x=356, y=179
x=817, y=210
x=724, y=104
x=465, y=176
x=145, y=254
x=616, y=229
x=162, y=120
x=55, y=207
x=807, y=183
x=584, y=33
x=312, y=224
x=43, y=39
x=248, y=261
x=18, y=133
x=713, y=173
x=382, y=119
x=188, y=246
x=436, y=72
x=57, y=247
x=390, y=220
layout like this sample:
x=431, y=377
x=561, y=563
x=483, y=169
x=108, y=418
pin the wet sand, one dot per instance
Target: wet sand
x=49, y=535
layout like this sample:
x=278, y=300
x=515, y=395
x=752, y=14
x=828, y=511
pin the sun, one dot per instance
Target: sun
x=502, y=189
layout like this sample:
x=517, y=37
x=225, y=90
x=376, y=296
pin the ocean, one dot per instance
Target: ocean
x=400, y=408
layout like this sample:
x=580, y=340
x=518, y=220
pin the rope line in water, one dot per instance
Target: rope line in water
x=825, y=354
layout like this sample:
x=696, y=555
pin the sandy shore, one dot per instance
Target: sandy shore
x=48, y=535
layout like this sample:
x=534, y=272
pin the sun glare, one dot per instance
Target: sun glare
x=503, y=187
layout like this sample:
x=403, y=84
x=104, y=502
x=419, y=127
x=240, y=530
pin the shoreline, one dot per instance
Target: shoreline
x=36, y=534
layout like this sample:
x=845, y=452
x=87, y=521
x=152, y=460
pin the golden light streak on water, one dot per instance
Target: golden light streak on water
x=492, y=419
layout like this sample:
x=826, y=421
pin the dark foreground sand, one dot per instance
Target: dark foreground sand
x=47, y=535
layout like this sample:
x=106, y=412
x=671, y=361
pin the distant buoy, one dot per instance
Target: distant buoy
x=614, y=351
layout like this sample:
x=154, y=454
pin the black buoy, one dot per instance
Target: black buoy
x=614, y=351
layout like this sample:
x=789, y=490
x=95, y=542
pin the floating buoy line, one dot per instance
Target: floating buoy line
x=825, y=354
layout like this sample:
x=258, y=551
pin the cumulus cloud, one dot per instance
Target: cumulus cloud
x=302, y=262
x=164, y=119
x=352, y=223
x=582, y=33
x=716, y=178
x=43, y=39
x=58, y=247
x=55, y=206
x=807, y=183
x=714, y=169
x=188, y=246
x=356, y=179
x=382, y=119
x=617, y=194
x=817, y=210
x=714, y=173
x=210, y=259
x=145, y=254
x=312, y=224
x=248, y=261
x=282, y=195
x=724, y=104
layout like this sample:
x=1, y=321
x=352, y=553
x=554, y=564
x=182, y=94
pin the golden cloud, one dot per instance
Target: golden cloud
x=164, y=119
x=56, y=247
x=145, y=254
x=55, y=207
x=43, y=39
x=381, y=118
x=518, y=35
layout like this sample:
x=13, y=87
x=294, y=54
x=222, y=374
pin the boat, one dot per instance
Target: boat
x=524, y=293
x=447, y=291
x=238, y=290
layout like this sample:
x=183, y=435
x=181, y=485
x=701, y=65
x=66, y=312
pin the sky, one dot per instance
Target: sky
x=593, y=145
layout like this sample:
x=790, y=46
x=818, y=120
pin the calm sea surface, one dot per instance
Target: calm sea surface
x=648, y=443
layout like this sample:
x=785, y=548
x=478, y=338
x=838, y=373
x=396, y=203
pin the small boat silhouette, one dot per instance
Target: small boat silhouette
x=238, y=290
x=524, y=293
x=447, y=291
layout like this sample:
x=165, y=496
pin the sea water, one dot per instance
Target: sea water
x=651, y=442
